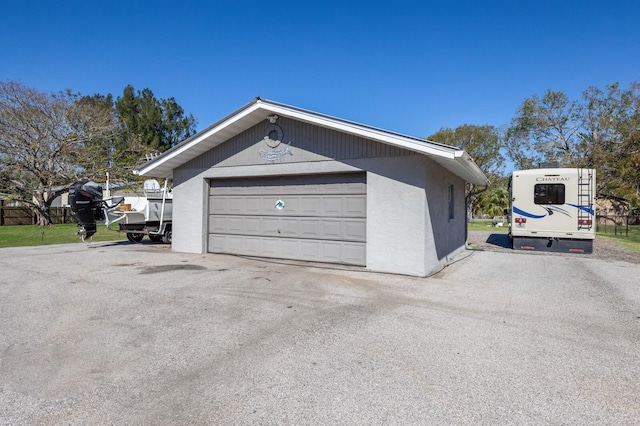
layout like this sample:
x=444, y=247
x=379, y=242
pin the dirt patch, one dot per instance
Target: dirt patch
x=603, y=248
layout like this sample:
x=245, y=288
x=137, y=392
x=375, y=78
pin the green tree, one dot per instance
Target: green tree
x=47, y=142
x=600, y=130
x=117, y=154
x=157, y=124
x=544, y=130
x=484, y=144
x=629, y=128
x=498, y=201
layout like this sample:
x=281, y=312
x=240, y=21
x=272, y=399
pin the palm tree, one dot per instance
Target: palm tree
x=498, y=202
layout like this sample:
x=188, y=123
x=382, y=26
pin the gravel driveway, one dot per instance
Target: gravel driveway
x=135, y=334
x=603, y=248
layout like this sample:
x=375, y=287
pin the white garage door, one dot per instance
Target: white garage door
x=319, y=218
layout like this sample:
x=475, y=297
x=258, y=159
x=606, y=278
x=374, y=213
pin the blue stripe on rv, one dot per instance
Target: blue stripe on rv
x=523, y=213
x=584, y=208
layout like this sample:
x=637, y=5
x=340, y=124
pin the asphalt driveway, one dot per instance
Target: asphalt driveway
x=135, y=334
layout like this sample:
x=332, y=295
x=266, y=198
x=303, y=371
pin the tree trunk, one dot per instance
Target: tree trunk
x=43, y=215
x=41, y=208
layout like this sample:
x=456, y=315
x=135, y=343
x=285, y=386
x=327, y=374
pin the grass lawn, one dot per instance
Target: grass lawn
x=630, y=241
x=485, y=225
x=33, y=235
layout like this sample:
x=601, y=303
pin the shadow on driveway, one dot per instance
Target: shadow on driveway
x=499, y=240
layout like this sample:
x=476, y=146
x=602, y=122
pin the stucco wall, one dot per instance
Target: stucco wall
x=189, y=217
x=408, y=228
x=396, y=211
x=448, y=234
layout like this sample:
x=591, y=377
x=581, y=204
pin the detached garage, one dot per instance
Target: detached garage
x=272, y=180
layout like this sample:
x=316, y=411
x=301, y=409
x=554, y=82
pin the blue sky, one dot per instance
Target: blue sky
x=407, y=66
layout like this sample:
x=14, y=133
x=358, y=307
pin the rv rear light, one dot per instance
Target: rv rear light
x=576, y=251
x=585, y=222
x=521, y=220
x=527, y=247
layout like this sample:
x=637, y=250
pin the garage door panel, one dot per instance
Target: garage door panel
x=309, y=249
x=290, y=227
x=217, y=244
x=315, y=218
x=332, y=229
x=309, y=228
x=289, y=249
x=270, y=247
x=252, y=245
x=236, y=205
x=251, y=206
x=332, y=251
x=307, y=205
x=235, y=243
x=252, y=225
x=320, y=184
x=270, y=226
x=313, y=228
x=292, y=248
x=354, y=230
x=236, y=225
x=332, y=206
x=354, y=253
x=218, y=206
x=217, y=224
x=355, y=206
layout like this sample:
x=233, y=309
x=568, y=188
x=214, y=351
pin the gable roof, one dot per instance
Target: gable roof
x=454, y=159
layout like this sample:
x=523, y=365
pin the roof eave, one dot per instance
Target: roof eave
x=189, y=143
x=473, y=174
x=457, y=161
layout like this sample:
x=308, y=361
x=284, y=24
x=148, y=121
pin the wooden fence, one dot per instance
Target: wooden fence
x=24, y=215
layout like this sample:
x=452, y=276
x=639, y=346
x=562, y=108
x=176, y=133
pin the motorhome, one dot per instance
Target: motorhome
x=553, y=209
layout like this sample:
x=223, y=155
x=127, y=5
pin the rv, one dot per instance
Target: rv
x=553, y=209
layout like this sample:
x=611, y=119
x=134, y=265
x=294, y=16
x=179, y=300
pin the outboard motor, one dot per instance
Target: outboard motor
x=85, y=198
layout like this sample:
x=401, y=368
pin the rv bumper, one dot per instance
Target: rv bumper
x=559, y=245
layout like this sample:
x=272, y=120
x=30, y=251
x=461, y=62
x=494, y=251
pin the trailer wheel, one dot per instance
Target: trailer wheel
x=135, y=237
x=166, y=238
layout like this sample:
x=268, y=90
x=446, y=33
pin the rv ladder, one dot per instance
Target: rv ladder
x=585, y=199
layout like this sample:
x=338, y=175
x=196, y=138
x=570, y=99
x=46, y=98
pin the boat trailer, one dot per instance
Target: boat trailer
x=138, y=215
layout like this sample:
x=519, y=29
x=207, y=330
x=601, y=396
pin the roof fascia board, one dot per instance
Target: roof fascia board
x=464, y=159
x=363, y=131
x=417, y=145
x=179, y=149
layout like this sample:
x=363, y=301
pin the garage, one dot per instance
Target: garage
x=311, y=217
x=277, y=181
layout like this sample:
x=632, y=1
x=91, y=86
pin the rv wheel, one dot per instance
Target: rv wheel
x=166, y=238
x=135, y=237
x=156, y=238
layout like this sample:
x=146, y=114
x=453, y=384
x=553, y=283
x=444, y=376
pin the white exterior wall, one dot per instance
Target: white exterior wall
x=396, y=211
x=189, y=221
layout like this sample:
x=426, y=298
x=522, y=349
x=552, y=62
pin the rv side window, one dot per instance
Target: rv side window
x=549, y=193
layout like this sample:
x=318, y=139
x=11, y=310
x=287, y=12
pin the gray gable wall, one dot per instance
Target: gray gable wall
x=306, y=143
